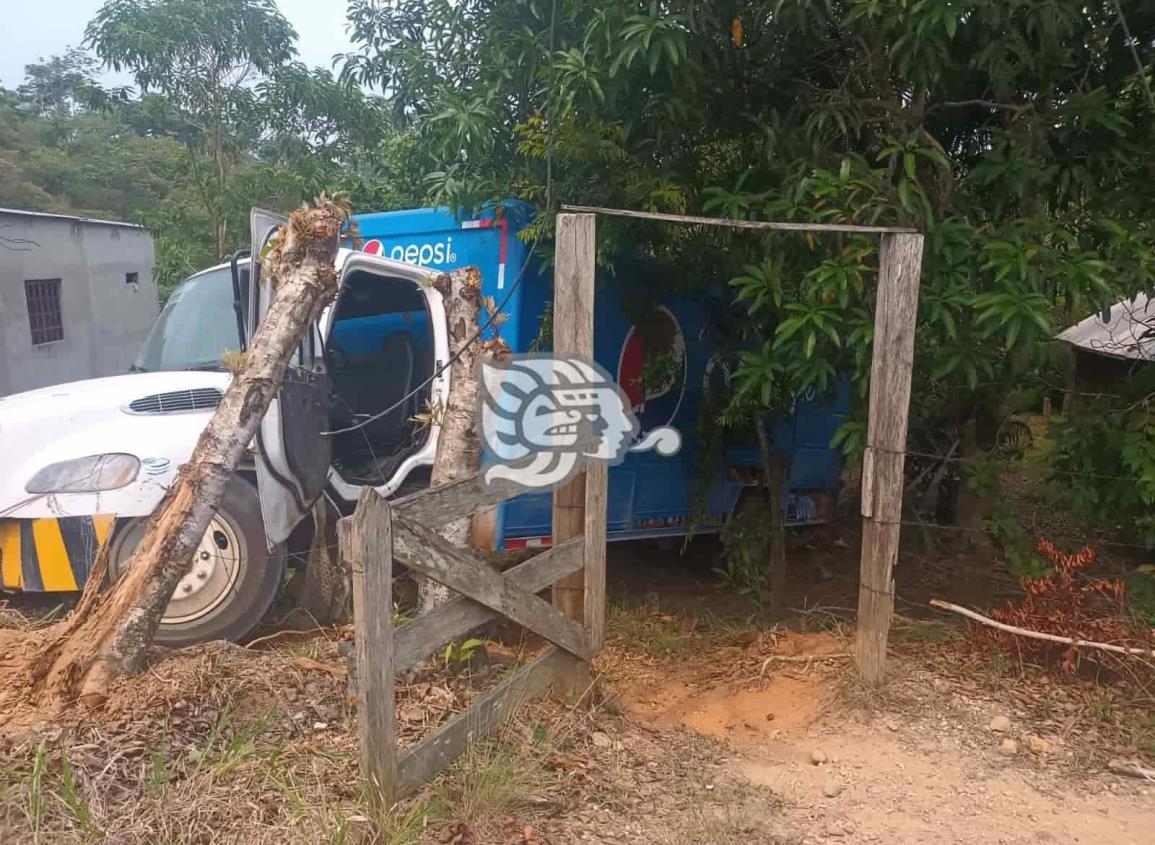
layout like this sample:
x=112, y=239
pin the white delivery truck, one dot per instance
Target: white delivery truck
x=78, y=459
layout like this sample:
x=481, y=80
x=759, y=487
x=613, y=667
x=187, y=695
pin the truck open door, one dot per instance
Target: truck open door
x=292, y=454
x=386, y=343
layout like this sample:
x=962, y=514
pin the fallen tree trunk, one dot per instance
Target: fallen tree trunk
x=108, y=633
x=458, y=446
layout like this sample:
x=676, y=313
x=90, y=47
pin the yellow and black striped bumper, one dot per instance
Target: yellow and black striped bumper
x=49, y=555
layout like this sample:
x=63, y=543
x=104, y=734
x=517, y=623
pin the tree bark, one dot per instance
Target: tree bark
x=976, y=552
x=774, y=468
x=109, y=633
x=458, y=447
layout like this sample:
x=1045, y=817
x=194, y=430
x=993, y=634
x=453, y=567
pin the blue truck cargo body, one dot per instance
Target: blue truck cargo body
x=649, y=495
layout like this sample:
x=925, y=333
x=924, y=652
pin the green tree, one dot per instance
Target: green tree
x=204, y=57
x=1017, y=134
x=60, y=84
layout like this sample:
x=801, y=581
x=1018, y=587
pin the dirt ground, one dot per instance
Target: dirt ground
x=708, y=725
x=829, y=762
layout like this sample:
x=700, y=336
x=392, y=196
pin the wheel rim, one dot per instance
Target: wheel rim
x=216, y=567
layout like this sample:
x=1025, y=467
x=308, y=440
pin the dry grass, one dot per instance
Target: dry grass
x=220, y=744
x=233, y=785
x=904, y=629
x=657, y=635
x=736, y=818
x=16, y=620
x=493, y=780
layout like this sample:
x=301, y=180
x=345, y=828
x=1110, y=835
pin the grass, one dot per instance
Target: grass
x=492, y=780
x=1139, y=732
x=639, y=630
x=728, y=626
x=241, y=782
x=735, y=817
x=72, y=796
x=17, y=620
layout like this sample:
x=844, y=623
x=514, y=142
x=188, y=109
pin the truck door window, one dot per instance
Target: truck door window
x=379, y=349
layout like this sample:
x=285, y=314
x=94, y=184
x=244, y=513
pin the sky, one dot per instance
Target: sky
x=47, y=27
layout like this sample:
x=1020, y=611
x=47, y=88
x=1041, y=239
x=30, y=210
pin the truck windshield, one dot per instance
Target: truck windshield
x=196, y=326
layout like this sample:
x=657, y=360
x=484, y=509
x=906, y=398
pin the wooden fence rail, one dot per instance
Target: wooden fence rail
x=404, y=531
x=381, y=533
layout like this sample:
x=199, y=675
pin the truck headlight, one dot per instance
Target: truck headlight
x=86, y=475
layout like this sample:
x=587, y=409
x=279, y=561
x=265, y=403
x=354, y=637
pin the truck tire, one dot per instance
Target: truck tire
x=234, y=578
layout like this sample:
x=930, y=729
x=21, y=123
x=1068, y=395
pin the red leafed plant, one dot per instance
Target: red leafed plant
x=1069, y=604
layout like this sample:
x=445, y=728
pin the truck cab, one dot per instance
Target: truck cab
x=90, y=461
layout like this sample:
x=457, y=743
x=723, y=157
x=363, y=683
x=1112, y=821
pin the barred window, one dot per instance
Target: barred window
x=45, y=318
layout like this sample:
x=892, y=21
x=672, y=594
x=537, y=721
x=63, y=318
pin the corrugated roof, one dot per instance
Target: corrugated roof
x=16, y=212
x=1130, y=333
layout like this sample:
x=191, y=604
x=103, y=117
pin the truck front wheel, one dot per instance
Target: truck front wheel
x=233, y=580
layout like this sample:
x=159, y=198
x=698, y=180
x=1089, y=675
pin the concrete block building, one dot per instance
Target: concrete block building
x=77, y=298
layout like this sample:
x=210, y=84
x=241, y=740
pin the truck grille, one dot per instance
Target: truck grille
x=202, y=399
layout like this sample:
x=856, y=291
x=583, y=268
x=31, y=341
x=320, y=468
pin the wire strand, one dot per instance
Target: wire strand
x=964, y=529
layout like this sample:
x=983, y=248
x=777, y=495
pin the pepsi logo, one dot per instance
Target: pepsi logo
x=652, y=368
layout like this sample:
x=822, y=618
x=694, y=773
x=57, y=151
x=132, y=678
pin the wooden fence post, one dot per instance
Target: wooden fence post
x=573, y=334
x=597, y=477
x=369, y=538
x=895, y=317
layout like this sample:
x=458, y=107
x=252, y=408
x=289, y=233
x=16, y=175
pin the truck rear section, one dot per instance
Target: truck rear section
x=665, y=363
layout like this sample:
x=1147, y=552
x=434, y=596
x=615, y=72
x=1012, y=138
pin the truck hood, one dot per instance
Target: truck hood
x=156, y=417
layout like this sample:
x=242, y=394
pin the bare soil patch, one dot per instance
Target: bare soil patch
x=913, y=762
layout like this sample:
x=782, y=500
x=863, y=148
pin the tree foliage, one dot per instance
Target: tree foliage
x=222, y=120
x=1016, y=135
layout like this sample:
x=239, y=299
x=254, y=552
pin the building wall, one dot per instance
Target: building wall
x=105, y=319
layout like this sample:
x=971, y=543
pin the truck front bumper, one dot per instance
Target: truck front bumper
x=50, y=555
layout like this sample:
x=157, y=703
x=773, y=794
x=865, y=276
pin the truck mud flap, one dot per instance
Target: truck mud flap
x=50, y=555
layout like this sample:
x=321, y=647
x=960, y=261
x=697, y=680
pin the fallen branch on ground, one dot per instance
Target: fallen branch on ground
x=1039, y=635
x=1132, y=769
x=280, y=635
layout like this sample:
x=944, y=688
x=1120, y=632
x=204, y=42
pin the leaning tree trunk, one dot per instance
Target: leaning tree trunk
x=109, y=633
x=458, y=447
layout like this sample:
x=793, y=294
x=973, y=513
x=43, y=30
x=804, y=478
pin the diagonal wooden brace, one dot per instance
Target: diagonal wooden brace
x=426, y=552
x=417, y=639
x=438, y=506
